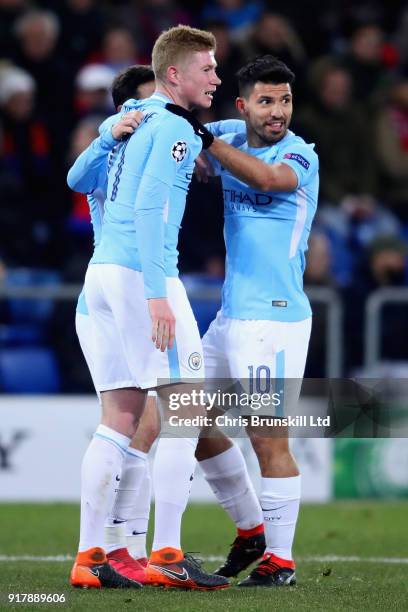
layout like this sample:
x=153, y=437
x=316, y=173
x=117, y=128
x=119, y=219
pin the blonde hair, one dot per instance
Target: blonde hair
x=175, y=44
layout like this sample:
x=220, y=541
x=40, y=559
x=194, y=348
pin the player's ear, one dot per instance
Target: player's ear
x=172, y=74
x=240, y=105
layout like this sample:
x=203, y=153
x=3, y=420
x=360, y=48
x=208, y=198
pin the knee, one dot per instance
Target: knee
x=122, y=422
x=148, y=433
x=270, y=449
x=274, y=456
x=212, y=442
x=149, y=426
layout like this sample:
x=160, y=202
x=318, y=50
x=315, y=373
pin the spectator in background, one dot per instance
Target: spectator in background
x=365, y=62
x=148, y=18
x=239, y=15
x=318, y=273
x=318, y=270
x=159, y=15
x=93, y=97
x=274, y=34
x=82, y=26
x=341, y=132
x=229, y=58
x=400, y=37
x=32, y=212
x=118, y=50
x=37, y=34
x=79, y=220
x=384, y=265
x=351, y=228
x=392, y=147
x=10, y=11
x=387, y=257
x=82, y=136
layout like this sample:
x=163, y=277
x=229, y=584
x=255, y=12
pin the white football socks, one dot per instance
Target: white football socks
x=228, y=478
x=128, y=491
x=136, y=527
x=173, y=472
x=280, y=498
x=101, y=465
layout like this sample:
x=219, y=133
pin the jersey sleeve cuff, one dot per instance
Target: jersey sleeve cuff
x=107, y=140
x=156, y=293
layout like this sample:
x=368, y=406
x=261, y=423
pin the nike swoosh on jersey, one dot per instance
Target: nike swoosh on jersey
x=172, y=574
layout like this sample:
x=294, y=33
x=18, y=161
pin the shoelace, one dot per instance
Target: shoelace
x=195, y=561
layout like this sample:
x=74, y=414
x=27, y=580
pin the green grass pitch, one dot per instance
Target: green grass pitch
x=376, y=531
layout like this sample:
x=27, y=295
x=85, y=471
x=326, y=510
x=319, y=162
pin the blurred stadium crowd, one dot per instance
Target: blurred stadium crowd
x=57, y=62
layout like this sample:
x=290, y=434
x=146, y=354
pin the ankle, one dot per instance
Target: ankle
x=269, y=556
x=248, y=533
x=166, y=555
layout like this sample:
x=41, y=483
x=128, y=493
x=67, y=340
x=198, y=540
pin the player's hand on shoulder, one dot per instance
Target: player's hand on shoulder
x=203, y=168
x=163, y=323
x=127, y=124
x=199, y=129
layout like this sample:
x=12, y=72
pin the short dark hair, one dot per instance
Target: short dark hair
x=266, y=69
x=126, y=83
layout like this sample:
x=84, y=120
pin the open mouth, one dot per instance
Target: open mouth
x=209, y=94
x=276, y=125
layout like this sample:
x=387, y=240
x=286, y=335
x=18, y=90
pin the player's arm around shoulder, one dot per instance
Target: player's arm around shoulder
x=255, y=172
x=278, y=176
x=226, y=126
x=84, y=174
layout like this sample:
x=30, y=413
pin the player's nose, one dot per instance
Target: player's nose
x=277, y=114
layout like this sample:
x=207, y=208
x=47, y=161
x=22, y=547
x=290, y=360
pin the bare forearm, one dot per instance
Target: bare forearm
x=241, y=165
x=254, y=172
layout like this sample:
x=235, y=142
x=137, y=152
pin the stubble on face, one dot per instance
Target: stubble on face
x=268, y=112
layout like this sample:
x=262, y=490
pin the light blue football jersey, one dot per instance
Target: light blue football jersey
x=96, y=202
x=141, y=222
x=89, y=175
x=266, y=235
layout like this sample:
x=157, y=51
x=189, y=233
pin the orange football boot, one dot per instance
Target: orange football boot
x=169, y=567
x=92, y=570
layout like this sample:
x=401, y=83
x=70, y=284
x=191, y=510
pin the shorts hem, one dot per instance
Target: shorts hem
x=122, y=384
x=182, y=380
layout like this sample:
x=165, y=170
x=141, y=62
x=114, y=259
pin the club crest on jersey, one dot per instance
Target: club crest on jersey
x=299, y=158
x=194, y=361
x=179, y=150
